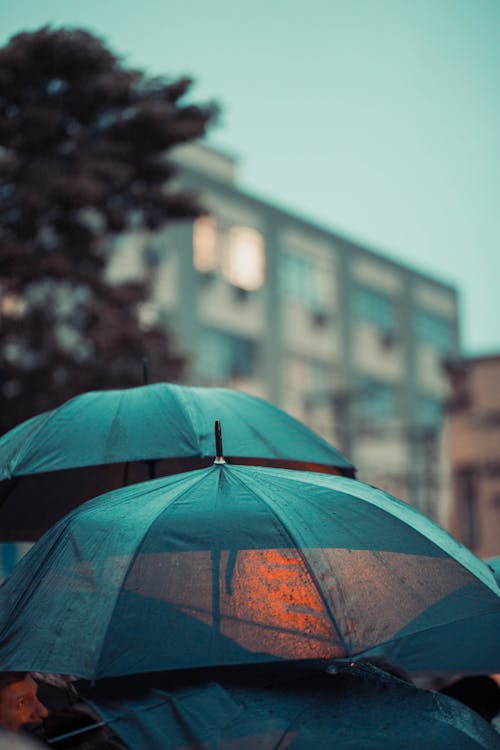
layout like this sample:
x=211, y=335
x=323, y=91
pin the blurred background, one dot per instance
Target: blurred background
x=344, y=262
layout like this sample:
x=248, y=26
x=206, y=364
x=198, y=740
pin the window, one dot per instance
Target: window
x=435, y=330
x=466, y=492
x=244, y=261
x=237, y=252
x=319, y=376
x=375, y=307
x=223, y=356
x=303, y=280
x=205, y=244
x=429, y=411
x=375, y=400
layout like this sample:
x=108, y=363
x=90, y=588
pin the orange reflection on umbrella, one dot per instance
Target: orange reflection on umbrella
x=266, y=601
x=290, y=604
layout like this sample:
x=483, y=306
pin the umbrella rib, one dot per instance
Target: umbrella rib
x=139, y=547
x=107, y=722
x=305, y=562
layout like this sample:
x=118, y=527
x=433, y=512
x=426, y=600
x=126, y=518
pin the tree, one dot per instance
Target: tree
x=84, y=145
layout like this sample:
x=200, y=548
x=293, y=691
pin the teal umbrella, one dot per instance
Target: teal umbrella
x=232, y=565
x=101, y=440
x=359, y=707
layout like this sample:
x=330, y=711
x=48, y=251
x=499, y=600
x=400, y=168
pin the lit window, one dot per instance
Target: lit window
x=205, y=244
x=244, y=263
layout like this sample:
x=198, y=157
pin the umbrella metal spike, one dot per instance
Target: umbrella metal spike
x=219, y=457
x=145, y=371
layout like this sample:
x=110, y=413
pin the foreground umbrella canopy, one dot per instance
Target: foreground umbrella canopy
x=358, y=708
x=102, y=440
x=231, y=565
x=466, y=645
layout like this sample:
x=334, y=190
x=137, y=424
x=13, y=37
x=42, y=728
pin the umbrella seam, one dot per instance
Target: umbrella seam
x=305, y=429
x=106, y=722
x=304, y=560
x=183, y=402
x=136, y=554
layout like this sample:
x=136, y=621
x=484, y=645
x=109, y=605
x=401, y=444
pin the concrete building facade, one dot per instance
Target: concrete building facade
x=345, y=339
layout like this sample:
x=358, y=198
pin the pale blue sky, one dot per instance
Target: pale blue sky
x=377, y=118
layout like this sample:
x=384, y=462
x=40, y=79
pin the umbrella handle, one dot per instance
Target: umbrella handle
x=219, y=458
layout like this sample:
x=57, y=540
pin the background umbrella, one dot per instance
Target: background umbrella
x=101, y=440
x=358, y=708
x=231, y=565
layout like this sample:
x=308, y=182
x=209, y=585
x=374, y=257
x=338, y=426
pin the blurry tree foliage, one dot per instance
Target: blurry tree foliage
x=83, y=158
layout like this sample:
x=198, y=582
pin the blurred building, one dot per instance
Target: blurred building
x=472, y=428
x=342, y=337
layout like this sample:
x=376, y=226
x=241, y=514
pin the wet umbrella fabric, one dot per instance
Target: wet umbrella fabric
x=358, y=708
x=231, y=565
x=466, y=645
x=102, y=440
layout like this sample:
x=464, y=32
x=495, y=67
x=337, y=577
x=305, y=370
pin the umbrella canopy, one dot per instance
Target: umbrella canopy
x=130, y=435
x=469, y=644
x=231, y=565
x=358, y=708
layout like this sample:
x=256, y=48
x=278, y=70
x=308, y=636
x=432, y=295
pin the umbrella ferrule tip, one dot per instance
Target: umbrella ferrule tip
x=219, y=460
